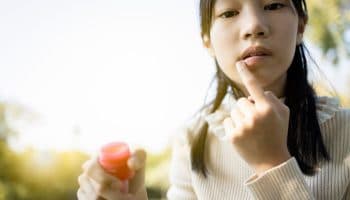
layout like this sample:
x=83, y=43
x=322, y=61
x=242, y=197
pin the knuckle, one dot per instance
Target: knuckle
x=238, y=136
x=266, y=110
x=250, y=122
x=235, y=139
x=251, y=119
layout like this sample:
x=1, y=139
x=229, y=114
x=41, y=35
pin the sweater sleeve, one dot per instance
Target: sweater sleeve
x=180, y=170
x=347, y=194
x=282, y=182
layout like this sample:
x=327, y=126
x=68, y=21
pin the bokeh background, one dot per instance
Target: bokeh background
x=75, y=75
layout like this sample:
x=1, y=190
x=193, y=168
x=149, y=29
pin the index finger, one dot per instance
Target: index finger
x=250, y=82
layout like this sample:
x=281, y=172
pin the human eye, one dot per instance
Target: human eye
x=274, y=6
x=228, y=14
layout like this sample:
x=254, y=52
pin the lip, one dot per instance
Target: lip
x=254, y=60
x=255, y=50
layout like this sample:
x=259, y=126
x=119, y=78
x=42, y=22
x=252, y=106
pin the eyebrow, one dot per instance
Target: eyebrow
x=222, y=4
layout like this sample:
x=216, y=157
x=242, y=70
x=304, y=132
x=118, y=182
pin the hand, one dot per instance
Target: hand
x=96, y=184
x=260, y=128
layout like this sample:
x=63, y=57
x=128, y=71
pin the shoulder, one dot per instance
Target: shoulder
x=342, y=116
x=331, y=113
x=335, y=125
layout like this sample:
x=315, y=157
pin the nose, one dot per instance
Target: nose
x=254, y=25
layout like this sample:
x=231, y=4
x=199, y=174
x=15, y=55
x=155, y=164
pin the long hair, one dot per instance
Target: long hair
x=304, y=140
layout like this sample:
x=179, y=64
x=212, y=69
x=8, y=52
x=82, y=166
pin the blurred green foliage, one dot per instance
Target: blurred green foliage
x=43, y=175
x=34, y=175
x=329, y=20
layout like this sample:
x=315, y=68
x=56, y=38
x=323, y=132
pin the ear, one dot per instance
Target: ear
x=207, y=45
x=301, y=29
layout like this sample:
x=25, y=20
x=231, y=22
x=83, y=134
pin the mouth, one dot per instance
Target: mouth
x=255, y=51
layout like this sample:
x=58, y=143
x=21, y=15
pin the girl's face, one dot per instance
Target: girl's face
x=273, y=25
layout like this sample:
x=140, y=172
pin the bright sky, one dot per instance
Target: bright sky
x=110, y=70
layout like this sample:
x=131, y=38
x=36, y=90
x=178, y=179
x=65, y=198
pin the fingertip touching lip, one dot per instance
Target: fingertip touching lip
x=255, y=51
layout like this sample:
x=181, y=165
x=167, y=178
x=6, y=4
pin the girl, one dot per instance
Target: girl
x=266, y=135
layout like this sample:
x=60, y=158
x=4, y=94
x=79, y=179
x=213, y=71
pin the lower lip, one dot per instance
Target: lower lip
x=254, y=60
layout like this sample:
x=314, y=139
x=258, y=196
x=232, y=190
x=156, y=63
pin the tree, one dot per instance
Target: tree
x=330, y=27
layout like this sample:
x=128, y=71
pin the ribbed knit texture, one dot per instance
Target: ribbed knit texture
x=231, y=178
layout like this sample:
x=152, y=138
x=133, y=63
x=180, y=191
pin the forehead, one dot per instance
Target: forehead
x=248, y=1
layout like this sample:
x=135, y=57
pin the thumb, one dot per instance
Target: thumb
x=137, y=162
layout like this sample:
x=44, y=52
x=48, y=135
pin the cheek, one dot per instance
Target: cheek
x=227, y=65
x=288, y=38
x=222, y=45
x=231, y=73
x=225, y=52
x=286, y=54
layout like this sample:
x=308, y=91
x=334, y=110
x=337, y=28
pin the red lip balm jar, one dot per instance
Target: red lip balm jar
x=114, y=157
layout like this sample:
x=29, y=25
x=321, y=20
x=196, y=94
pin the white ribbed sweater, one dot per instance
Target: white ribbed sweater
x=231, y=178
